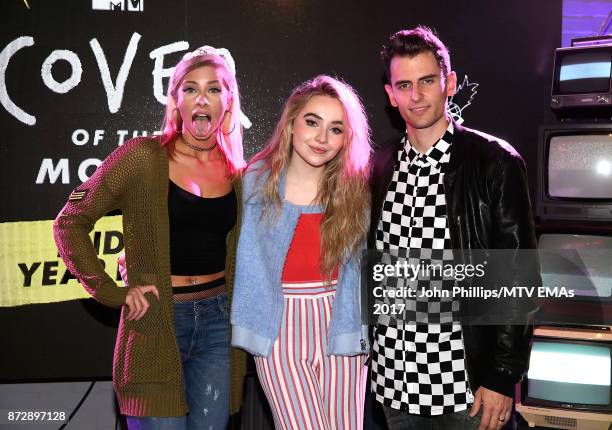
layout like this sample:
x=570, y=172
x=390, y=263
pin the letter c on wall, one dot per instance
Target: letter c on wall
x=5, y=57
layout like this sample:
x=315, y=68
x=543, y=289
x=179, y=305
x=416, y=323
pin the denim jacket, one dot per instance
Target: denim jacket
x=257, y=305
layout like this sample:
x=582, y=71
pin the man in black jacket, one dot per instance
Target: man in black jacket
x=442, y=187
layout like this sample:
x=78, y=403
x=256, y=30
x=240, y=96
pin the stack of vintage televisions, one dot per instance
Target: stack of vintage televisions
x=568, y=385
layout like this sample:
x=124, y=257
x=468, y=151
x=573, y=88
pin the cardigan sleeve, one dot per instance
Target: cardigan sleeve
x=104, y=191
x=253, y=278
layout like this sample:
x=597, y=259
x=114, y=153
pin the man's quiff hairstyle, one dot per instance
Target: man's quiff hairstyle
x=410, y=43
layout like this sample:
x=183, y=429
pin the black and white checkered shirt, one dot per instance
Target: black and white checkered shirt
x=420, y=368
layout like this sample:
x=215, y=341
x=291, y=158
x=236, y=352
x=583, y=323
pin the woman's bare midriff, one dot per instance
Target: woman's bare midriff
x=185, y=281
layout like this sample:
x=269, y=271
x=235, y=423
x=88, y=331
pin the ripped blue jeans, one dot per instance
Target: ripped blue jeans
x=202, y=333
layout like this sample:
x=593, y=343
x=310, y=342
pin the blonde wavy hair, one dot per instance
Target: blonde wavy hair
x=229, y=143
x=343, y=189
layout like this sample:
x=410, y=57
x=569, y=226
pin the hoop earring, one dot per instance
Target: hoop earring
x=176, y=118
x=234, y=126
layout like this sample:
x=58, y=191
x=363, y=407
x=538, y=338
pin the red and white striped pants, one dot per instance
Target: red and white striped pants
x=307, y=389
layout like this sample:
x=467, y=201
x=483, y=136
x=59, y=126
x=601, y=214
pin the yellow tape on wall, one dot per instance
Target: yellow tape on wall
x=32, y=272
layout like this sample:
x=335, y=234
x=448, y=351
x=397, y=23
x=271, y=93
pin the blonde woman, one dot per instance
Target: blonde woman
x=180, y=199
x=296, y=305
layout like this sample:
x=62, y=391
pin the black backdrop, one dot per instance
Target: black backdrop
x=504, y=46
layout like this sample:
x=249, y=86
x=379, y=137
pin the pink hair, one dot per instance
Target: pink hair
x=230, y=144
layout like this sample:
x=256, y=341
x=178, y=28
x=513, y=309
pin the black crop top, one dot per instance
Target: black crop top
x=198, y=228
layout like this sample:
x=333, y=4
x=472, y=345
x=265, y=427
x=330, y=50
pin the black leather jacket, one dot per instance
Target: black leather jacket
x=488, y=207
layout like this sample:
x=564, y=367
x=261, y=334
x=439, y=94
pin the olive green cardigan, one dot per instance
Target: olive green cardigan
x=147, y=372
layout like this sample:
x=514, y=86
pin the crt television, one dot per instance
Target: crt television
x=581, y=263
x=569, y=381
x=582, y=77
x=575, y=172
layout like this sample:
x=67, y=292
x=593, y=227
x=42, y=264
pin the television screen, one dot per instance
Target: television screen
x=584, y=72
x=580, y=262
x=569, y=373
x=580, y=166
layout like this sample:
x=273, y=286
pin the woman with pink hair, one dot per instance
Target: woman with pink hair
x=180, y=199
x=297, y=291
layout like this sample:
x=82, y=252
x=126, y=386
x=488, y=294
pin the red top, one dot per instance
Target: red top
x=303, y=262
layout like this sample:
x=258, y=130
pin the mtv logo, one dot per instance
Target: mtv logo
x=135, y=5
x=108, y=4
x=123, y=5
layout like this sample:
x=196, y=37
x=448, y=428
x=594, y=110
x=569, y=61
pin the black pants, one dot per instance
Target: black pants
x=402, y=420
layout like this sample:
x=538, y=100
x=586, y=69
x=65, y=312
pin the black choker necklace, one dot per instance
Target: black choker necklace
x=197, y=148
